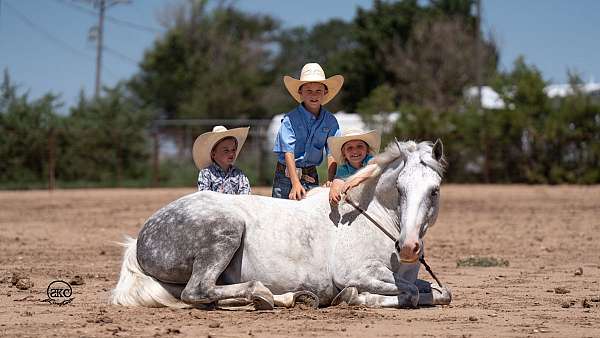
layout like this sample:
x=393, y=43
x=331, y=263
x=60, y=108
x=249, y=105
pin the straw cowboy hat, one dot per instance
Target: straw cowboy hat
x=335, y=143
x=312, y=72
x=204, y=144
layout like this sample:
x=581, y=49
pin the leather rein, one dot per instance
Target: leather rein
x=387, y=233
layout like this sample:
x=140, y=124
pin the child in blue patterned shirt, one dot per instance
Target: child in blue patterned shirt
x=217, y=172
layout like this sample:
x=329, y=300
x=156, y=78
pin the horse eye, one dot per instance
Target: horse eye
x=435, y=192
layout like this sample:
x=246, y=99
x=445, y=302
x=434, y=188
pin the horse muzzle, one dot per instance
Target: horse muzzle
x=407, y=253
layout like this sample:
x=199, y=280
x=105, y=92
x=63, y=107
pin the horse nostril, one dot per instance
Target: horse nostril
x=416, y=248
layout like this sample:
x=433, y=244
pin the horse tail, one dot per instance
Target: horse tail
x=135, y=288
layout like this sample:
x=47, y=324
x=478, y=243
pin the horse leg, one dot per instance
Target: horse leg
x=380, y=294
x=376, y=285
x=428, y=295
x=433, y=294
x=287, y=300
x=351, y=296
x=201, y=288
x=291, y=299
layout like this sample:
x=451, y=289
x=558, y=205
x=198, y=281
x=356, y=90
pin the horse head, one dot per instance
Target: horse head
x=408, y=188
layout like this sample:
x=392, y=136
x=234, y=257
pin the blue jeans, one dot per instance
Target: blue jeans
x=282, y=185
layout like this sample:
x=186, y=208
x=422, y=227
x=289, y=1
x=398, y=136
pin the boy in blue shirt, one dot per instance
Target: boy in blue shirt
x=303, y=133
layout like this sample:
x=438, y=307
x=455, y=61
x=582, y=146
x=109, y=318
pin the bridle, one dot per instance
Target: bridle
x=387, y=233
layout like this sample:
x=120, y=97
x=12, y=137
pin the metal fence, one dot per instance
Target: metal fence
x=173, y=140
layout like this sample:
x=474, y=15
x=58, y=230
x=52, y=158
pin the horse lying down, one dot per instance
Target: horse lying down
x=208, y=249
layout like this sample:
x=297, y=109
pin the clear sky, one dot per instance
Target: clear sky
x=44, y=43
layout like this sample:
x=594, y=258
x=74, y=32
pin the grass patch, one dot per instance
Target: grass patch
x=481, y=261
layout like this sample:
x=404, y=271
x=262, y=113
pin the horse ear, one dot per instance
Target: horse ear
x=438, y=150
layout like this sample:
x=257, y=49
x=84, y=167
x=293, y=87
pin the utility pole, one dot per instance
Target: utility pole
x=478, y=51
x=101, y=4
x=97, y=33
x=478, y=78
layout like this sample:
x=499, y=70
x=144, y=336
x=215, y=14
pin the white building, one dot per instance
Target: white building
x=490, y=99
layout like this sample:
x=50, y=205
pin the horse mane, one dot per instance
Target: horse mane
x=395, y=150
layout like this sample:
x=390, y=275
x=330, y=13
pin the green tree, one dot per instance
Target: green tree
x=326, y=43
x=383, y=24
x=107, y=140
x=518, y=143
x=25, y=129
x=210, y=64
x=572, y=131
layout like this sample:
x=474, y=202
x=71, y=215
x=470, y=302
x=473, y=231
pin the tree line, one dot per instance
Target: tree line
x=216, y=61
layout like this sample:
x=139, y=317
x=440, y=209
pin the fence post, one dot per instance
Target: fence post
x=51, y=159
x=155, y=158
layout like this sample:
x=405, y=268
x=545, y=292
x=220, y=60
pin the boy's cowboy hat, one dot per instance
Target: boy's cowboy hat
x=312, y=72
x=204, y=143
x=335, y=143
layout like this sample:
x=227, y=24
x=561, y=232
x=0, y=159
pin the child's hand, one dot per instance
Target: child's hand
x=334, y=196
x=297, y=192
x=334, y=192
x=349, y=185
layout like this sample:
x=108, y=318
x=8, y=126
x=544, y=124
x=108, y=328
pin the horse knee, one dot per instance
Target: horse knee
x=257, y=288
x=198, y=296
x=408, y=297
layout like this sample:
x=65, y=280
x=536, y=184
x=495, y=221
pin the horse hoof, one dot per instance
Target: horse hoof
x=441, y=295
x=261, y=303
x=345, y=296
x=306, y=299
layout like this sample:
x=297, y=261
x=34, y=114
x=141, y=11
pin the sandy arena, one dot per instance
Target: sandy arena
x=550, y=237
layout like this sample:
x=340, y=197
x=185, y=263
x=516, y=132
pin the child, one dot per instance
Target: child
x=352, y=151
x=303, y=133
x=214, y=154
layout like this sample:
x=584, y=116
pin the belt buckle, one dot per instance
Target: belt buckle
x=309, y=179
x=298, y=172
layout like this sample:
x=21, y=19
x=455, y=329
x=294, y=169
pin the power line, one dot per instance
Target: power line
x=61, y=43
x=110, y=18
x=120, y=55
x=44, y=32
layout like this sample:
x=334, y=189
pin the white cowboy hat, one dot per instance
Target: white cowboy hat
x=312, y=72
x=204, y=143
x=335, y=143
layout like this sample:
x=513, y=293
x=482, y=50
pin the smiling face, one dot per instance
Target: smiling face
x=312, y=94
x=354, y=152
x=224, y=152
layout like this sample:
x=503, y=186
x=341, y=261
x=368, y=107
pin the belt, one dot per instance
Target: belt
x=309, y=174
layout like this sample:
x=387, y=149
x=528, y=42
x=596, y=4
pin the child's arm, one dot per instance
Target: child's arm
x=244, y=188
x=365, y=173
x=297, y=192
x=331, y=169
x=203, y=180
x=334, y=191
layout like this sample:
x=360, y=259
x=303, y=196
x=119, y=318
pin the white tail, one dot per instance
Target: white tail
x=135, y=288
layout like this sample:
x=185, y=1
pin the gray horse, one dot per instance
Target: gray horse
x=208, y=248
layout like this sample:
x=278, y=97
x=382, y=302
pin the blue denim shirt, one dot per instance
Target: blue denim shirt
x=305, y=135
x=346, y=170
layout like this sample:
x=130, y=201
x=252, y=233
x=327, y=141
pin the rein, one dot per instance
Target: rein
x=387, y=233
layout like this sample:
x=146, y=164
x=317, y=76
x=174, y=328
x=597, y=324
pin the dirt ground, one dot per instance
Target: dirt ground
x=550, y=237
